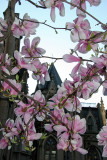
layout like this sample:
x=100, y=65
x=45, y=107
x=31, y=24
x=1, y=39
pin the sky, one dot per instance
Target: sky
x=56, y=45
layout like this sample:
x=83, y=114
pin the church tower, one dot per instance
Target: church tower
x=103, y=112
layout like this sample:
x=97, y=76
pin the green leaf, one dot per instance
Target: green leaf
x=17, y=77
x=13, y=141
x=33, y=148
x=44, y=136
x=104, y=36
x=19, y=96
x=82, y=1
x=92, y=35
x=0, y=123
x=92, y=55
x=88, y=47
x=69, y=118
x=56, y=31
x=11, y=100
x=72, y=51
x=22, y=138
x=27, y=148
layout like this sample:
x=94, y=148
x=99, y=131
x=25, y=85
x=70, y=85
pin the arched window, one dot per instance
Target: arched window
x=93, y=153
x=50, y=150
x=90, y=124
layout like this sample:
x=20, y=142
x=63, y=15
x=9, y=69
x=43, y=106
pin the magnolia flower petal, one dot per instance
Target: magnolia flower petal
x=74, y=36
x=70, y=25
x=70, y=58
x=75, y=69
x=53, y=17
x=35, y=42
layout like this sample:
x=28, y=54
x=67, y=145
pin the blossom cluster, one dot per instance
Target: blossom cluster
x=68, y=130
x=25, y=28
x=102, y=140
x=25, y=113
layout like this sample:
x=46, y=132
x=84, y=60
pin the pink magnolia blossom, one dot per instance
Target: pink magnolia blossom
x=12, y=91
x=89, y=70
x=49, y=127
x=31, y=133
x=73, y=105
x=10, y=129
x=4, y=69
x=63, y=144
x=22, y=63
x=41, y=72
x=7, y=63
x=24, y=110
x=102, y=136
x=59, y=129
x=60, y=98
x=104, y=154
x=88, y=88
x=40, y=116
x=68, y=86
x=72, y=127
x=34, y=136
x=19, y=124
x=40, y=99
x=25, y=28
x=85, y=46
x=101, y=61
x=52, y=4
x=38, y=96
x=58, y=113
x=3, y=143
x=33, y=50
x=78, y=125
x=70, y=58
x=78, y=28
x=102, y=140
x=3, y=25
x=17, y=28
x=83, y=5
x=77, y=144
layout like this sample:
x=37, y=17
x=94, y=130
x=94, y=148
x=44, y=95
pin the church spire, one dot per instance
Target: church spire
x=103, y=112
x=102, y=104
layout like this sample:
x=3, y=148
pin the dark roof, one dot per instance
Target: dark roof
x=53, y=76
x=96, y=114
x=105, y=92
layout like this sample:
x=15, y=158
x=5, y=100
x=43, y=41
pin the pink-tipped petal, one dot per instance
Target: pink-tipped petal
x=70, y=58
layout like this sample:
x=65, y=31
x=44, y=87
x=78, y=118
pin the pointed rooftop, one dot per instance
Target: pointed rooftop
x=54, y=75
x=50, y=87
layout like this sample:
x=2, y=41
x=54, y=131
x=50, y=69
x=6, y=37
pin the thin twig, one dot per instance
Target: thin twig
x=44, y=23
x=74, y=5
x=37, y=6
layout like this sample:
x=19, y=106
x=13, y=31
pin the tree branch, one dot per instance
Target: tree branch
x=37, y=6
x=72, y=4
